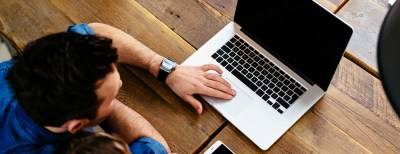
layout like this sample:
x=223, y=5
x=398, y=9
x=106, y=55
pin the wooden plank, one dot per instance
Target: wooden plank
x=359, y=122
x=135, y=20
x=130, y=17
x=365, y=89
x=366, y=17
x=26, y=20
x=188, y=18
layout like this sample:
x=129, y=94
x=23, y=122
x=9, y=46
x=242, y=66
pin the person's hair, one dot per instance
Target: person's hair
x=84, y=142
x=55, y=78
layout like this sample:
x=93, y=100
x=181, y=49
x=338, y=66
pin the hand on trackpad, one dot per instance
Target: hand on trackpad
x=236, y=104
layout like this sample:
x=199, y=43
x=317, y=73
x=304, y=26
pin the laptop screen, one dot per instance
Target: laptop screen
x=300, y=33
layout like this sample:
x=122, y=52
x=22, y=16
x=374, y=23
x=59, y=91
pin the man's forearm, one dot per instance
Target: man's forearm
x=130, y=125
x=130, y=50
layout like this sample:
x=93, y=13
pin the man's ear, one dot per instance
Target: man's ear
x=75, y=124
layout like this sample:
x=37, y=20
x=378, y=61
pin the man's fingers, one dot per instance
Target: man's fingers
x=217, y=78
x=208, y=67
x=214, y=93
x=221, y=87
x=194, y=102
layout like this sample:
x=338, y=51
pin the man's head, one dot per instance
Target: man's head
x=63, y=76
x=92, y=142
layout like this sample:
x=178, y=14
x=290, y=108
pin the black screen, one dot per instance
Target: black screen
x=222, y=149
x=300, y=33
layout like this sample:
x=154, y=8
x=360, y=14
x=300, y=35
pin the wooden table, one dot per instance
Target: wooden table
x=353, y=116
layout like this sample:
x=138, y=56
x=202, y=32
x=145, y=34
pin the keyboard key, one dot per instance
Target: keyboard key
x=232, y=54
x=271, y=85
x=236, y=37
x=256, y=58
x=265, y=97
x=256, y=73
x=280, y=111
x=276, y=105
x=279, y=84
x=239, y=68
x=266, y=81
x=251, y=69
x=290, y=92
x=249, y=75
x=254, y=64
x=215, y=55
x=259, y=68
x=244, y=80
x=286, y=98
x=274, y=96
x=294, y=98
x=235, y=49
x=269, y=92
x=219, y=59
x=276, y=89
x=242, y=47
x=269, y=76
x=298, y=91
x=259, y=83
x=246, y=65
x=292, y=86
x=281, y=78
x=283, y=102
x=226, y=49
x=303, y=89
x=234, y=64
x=274, y=80
x=264, y=87
x=261, y=77
x=225, y=56
x=229, y=67
x=269, y=102
x=224, y=63
x=254, y=79
x=237, y=43
x=240, y=53
x=220, y=52
x=286, y=82
x=242, y=61
x=244, y=71
x=249, y=60
x=261, y=62
x=245, y=57
x=230, y=60
x=232, y=40
x=264, y=72
x=259, y=92
x=229, y=44
x=237, y=58
x=281, y=93
x=276, y=74
x=284, y=88
x=297, y=84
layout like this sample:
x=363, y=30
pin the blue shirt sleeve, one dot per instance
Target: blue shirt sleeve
x=146, y=145
x=82, y=29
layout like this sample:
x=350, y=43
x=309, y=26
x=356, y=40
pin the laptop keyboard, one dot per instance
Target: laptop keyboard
x=262, y=76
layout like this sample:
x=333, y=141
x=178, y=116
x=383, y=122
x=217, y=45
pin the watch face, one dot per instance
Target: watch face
x=168, y=65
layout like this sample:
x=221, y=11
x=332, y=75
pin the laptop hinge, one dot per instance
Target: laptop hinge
x=273, y=52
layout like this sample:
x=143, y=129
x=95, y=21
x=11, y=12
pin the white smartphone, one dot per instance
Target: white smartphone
x=219, y=148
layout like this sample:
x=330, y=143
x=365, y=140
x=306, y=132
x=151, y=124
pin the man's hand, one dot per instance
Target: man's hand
x=188, y=80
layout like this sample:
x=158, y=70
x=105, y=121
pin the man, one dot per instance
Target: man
x=66, y=81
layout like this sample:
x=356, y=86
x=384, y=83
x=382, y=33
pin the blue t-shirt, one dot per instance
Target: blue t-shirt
x=20, y=134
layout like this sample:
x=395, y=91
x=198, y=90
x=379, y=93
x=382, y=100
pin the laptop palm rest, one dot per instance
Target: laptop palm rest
x=234, y=106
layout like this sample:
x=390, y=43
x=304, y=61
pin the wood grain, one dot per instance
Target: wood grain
x=26, y=20
x=365, y=89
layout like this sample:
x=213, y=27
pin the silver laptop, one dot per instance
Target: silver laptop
x=280, y=57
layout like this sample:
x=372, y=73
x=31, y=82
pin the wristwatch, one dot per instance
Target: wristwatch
x=166, y=67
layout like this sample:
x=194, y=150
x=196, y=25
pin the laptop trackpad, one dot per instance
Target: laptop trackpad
x=237, y=104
